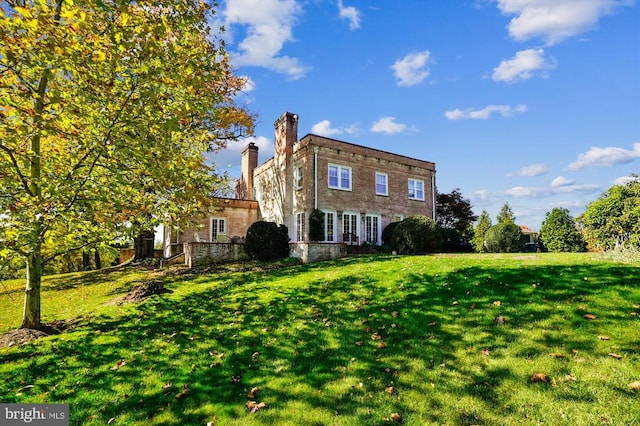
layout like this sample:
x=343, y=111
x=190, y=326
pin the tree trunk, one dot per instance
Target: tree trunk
x=96, y=259
x=86, y=261
x=143, y=245
x=31, y=312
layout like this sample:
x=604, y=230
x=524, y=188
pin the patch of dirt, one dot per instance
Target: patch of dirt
x=22, y=336
x=140, y=292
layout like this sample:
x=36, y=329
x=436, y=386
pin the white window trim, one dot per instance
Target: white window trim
x=334, y=228
x=378, y=236
x=340, y=169
x=300, y=227
x=386, y=184
x=414, y=189
x=356, y=231
x=226, y=229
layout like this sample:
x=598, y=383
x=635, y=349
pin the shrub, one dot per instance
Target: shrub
x=387, y=236
x=559, y=232
x=450, y=240
x=417, y=235
x=316, y=225
x=504, y=238
x=267, y=241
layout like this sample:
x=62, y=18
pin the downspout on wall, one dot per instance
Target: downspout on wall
x=315, y=176
x=433, y=195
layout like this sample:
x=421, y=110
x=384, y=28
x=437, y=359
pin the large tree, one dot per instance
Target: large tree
x=106, y=110
x=453, y=211
x=613, y=220
x=559, y=233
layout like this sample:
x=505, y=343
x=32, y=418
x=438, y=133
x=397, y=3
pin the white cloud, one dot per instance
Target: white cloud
x=388, y=125
x=609, y=156
x=249, y=85
x=555, y=20
x=623, y=180
x=268, y=25
x=351, y=14
x=484, y=113
x=561, y=181
x=229, y=158
x=532, y=170
x=522, y=66
x=539, y=192
x=412, y=69
x=323, y=128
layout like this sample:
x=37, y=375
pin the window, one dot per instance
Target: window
x=416, y=189
x=381, y=184
x=298, y=177
x=300, y=226
x=339, y=177
x=350, y=228
x=329, y=226
x=398, y=218
x=218, y=229
x=372, y=229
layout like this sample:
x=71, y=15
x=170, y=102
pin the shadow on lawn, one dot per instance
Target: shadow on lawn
x=298, y=343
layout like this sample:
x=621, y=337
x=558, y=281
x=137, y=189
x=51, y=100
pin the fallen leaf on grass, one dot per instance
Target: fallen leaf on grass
x=603, y=337
x=390, y=390
x=396, y=417
x=376, y=336
x=382, y=345
x=252, y=393
x=497, y=303
x=119, y=365
x=24, y=388
x=589, y=316
x=395, y=314
x=111, y=420
x=432, y=323
x=540, y=377
x=556, y=355
x=634, y=386
x=253, y=406
x=614, y=355
x=183, y=392
x=455, y=302
x=359, y=343
x=235, y=379
x=571, y=377
x=499, y=320
x=485, y=351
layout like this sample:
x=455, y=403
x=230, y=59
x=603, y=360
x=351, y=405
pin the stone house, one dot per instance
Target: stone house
x=360, y=190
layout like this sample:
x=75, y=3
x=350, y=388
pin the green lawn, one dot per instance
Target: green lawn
x=436, y=339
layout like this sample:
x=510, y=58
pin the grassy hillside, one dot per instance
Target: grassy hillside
x=468, y=339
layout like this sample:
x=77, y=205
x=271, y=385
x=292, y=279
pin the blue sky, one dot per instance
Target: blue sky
x=531, y=102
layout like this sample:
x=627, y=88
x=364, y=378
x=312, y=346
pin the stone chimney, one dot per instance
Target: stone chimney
x=244, y=188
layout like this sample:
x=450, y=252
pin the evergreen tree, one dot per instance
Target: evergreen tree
x=506, y=215
x=484, y=223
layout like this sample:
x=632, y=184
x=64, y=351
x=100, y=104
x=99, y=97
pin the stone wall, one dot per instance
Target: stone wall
x=196, y=253
x=314, y=252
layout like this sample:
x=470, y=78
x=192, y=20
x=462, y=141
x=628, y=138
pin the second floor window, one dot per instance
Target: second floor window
x=381, y=184
x=298, y=177
x=339, y=177
x=416, y=189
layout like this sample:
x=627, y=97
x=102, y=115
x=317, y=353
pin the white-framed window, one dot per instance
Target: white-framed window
x=350, y=226
x=416, y=189
x=339, y=177
x=300, y=226
x=218, y=229
x=372, y=228
x=329, y=226
x=382, y=187
x=298, y=177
